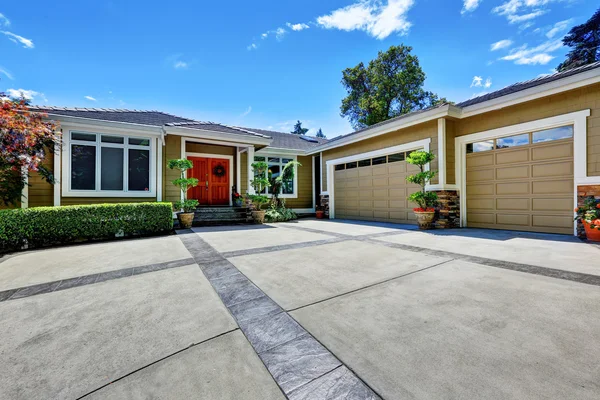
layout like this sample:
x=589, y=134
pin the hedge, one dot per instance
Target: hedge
x=44, y=226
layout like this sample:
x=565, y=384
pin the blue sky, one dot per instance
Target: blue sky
x=265, y=64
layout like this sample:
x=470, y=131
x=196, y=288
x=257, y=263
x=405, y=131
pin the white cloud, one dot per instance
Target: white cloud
x=488, y=83
x=476, y=81
x=501, y=44
x=514, y=19
x=181, y=65
x=90, y=98
x=524, y=55
x=253, y=46
x=297, y=27
x=29, y=95
x=248, y=111
x=27, y=43
x=279, y=34
x=469, y=6
x=517, y=11
x=559, y=27
x=5, y=72
x=508, y=8
x=372, y=16
x=3, y=20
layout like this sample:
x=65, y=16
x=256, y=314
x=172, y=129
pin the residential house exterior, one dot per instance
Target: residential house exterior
x=519, y=158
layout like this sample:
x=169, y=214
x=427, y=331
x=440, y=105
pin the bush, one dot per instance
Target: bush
x=279, y=214
x=43, y=226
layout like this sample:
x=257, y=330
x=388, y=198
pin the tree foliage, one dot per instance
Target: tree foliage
x=391, y=85
x=184, y=184
x=584, y=41
x=26, y=140
x=298, y=129
x=320, y=134
x=426, y=200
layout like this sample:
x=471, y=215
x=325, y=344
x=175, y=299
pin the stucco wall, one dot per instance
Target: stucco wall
x=563, y=103
x=402, y=136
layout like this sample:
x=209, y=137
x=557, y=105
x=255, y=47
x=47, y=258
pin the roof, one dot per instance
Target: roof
x=517, y=87
x=283, y=140
x=216, y=127
x=140, y=117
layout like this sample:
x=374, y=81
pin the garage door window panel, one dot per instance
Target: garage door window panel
x=512, y=141
x=563, y=132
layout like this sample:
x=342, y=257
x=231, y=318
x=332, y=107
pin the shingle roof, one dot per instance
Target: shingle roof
x=141, y=117
x=216, y=127
x=283, y=140
x=517, y=87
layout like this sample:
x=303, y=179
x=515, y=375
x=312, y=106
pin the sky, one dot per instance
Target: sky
x=266, y=64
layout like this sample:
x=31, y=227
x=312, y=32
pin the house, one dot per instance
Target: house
x=519, y=158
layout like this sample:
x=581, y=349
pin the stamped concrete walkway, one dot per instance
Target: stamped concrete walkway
x=304, y=310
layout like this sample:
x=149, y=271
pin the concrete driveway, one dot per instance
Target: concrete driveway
x=304, y=310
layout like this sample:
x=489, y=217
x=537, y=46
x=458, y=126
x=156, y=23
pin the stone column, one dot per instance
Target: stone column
x=448, y=210
x=583, y=192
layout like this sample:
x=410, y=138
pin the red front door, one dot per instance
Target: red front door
x=213, y=181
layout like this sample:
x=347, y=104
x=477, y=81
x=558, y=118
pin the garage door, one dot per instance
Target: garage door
x=523, y=182
x=375, y=189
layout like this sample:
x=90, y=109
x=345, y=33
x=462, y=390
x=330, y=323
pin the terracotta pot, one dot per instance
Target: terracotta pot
x=259, y=216
x=185, y=220
x=320, y=214
x=592, y=234
x=424, y=219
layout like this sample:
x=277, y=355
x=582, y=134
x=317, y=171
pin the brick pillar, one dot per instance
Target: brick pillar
x=325, y=203
x=448, y=210
x=582, y=193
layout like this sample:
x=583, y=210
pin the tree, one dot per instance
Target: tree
x=25, y=142
x=391, y=85
x=584, y=41
x=299, y=130
x=320, y=134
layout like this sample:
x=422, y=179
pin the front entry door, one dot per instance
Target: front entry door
x=213, y=181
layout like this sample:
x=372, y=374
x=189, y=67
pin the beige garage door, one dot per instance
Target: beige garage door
x=375, y=189
x=524, y=182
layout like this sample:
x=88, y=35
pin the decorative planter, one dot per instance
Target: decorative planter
x=424, y=219
x=237, y=203
x=592, y=234
x=185, y=219
x=259, y=216
x=320, y=214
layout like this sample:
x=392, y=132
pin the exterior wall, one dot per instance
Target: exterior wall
x=41, y=193
x=244, y=174
x=562, y=103
x=305, y=189
x=448, y=211
x=418, y=132
x=171, y=151
x=192, y=147
x=72, y=201
x=450, y=162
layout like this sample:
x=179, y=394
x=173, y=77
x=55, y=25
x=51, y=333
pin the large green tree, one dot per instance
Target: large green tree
x=391, y=85
x=320, y=134
x=298, y=129
x=584, y=41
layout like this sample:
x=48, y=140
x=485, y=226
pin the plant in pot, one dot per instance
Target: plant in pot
x=426, y=201
x=589, y=215
x=260, y=185
x=184, y=208
x=320, y=211
x=237, y=199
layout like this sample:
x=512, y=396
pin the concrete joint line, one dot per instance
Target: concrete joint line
x=300, y=365
x=55, y=286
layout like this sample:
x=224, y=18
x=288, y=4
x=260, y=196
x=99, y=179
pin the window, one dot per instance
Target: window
x=564, y=132
x=364, y=163
x=340, y=167
x=480, y=146
x=379, y=160
x=512, y=141
x=109, y=163
x=396, y=157
x=351, y=165
x=275, y=167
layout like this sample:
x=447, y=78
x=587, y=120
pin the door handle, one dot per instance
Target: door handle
x=206, y=185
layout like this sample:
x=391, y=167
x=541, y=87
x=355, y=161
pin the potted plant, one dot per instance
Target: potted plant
x=260, y=184
x=320, y=211
x=426, y=201
x=589, y=215
x=237, y=199
x=184, y=208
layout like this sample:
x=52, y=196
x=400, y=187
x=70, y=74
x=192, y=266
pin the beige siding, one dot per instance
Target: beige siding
x=209, y=149
x=171, y=151
x=450, y=158
x=71, y=201
x=402, y=136
x=244, y=173
x=41, y=193
x=305, y=197
x=563, y=103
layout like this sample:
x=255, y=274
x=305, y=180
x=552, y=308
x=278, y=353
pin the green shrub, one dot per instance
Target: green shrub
x=43, y=226
x=279, y=214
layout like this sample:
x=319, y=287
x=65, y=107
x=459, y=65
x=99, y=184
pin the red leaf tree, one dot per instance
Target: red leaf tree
x=26, y=139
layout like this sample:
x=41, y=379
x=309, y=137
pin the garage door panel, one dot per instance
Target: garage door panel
x=519, y=172
x=398, y=193
x=398, y=203
x=365, y=171
x=365, y=182
x=480, y=175
x=397, y=168
x=381, y=203
x=380, y=170
x=365, y=194
x=512, y=156
x=559, y=169
x=365, y=204
x=351, y=173
x=381, y=214
x=531, y=188
x=549, y=152
x=380, y=193
x=380, y=182
x=512, y=188
x=401, y=215
x=351, y=184
x=512, y=219
x=396, y=180
x=553, y=186
x=520, y=204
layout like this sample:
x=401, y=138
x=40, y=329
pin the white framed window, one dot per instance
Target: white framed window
x=276, y=163
x=109, y=165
